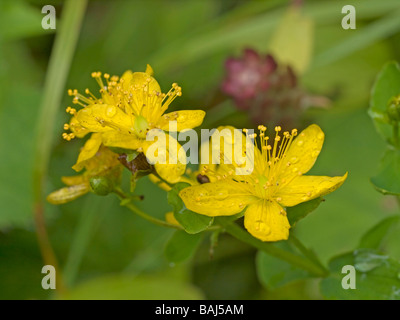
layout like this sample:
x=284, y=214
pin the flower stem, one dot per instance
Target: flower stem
x=296, y=260
x=140, y=213
x=306, y=252
x=60, y=60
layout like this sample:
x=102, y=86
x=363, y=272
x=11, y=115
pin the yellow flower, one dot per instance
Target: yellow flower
x=277, y=181
x=98, y=161
x=128, y=109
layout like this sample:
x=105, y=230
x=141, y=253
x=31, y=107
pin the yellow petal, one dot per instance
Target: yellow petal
x=127, y=76
x=234, y=149
x=186, y=119
x=305, y=188
x=119, y=140
x=68, y=194
x=143, y=79
x=303, y=152
x=167, y=156
x=267, y=221
x=170, y=218
x=216, y=199
x=149, y=70
x=104, y=161
x=77, y=129
x=103, y=117
x=73, y=180
x=88, y=151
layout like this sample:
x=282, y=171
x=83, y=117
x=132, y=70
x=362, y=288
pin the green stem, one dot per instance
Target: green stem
x=155, y=173
x=306, y=252
x=59, y=64
x=296, y=260
x=140, y=213
x=88, y=221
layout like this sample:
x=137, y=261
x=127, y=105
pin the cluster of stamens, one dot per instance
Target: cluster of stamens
x=133, y=99
x=268, y=164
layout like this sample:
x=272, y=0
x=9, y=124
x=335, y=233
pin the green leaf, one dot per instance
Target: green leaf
x=273, y=272
x=374, y=237
x=387, y=85
x=300, y=211
x=124, y=287
x=181, y=246
x=387, y=181
x=192, y=222
x=377, y=277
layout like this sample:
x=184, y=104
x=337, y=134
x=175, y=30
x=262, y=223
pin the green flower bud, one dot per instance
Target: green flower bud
x=393, y=109
x=101, y=186
x=393, y=112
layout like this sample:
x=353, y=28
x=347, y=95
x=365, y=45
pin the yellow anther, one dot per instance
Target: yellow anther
x=278, y=128
x=66, y=126
x=262, y=128
x=70, y=110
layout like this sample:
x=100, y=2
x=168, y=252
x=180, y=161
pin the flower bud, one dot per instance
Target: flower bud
x=101, y=185
x=393, y=109
x=269, y=91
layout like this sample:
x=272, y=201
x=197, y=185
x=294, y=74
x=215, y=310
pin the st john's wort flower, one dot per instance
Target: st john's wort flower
x=129, y=108
x=277, y=181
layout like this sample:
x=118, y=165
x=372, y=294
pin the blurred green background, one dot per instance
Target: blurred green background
x=103, y=249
